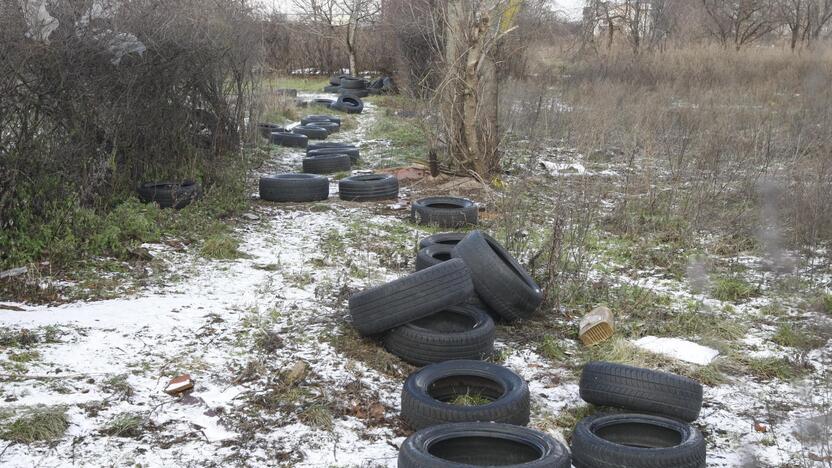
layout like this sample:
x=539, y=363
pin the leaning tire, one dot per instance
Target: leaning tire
x=446, y=212
x=433, y=255
x=466, y=445
x=458, y=332
x=369, y=187
x=313, y=133
x=427, y=394
x=636, y=441
x=499, y=280
x=641, y=390
x=294, y=188
x=352, y=152
x=326, y=164
x=290, y=139
x=410, y=298
x=176, y=195
x=447, y=238
x=348, y=104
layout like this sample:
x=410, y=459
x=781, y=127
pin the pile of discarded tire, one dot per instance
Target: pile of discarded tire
x=313, y=127
x=354, y=86
x=428, y=319
x=656, y=434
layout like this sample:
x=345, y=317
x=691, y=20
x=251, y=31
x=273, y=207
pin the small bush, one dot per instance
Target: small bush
x=38, y=424
x=733, y=289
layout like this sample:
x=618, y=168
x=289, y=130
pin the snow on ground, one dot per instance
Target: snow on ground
x=239, y=327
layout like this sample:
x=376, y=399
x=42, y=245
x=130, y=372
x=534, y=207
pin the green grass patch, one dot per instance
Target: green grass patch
x=221, y=247
x=36, y=425
x=318, y=416
x=26, y=356
x=407, y=139
x=767, y=368
x=310, y=84
x=800, y=338
x=733, y=289
x=124, y=425
x=470, y=399
x=551, y=349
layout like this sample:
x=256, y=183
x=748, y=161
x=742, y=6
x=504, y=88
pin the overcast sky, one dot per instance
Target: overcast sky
x=571, y=8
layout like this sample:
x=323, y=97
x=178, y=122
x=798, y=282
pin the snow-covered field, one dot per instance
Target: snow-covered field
x=279, y=379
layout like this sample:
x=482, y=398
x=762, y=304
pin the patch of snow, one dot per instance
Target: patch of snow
x=678, y=348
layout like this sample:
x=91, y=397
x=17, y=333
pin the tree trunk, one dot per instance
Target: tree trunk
x=351, y=30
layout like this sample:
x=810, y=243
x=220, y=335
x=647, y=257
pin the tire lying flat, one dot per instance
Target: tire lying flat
x=359, y=93
x=176, y=195
x=294, y=188
x=320, y=118
x=499, y=280
x=410, y=298
x=467, y=445
x=313, y=133
x=326, y=163
x=457, y=332
x=292, y=140
x=642, y=390
x=636, y=441
x=266, y=129
x=427, y=393
x=446, y=212
x=369, y=187
x=349, y=82
x=447, y=238
x=350, y=151
x=330, y=127
x=332, y=89
x=433, y=255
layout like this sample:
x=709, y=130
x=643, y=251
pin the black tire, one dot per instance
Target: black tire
x=294, y=188
x=447, y=238
x=293, y=140
x=326, y=163
x=335, y=89
x=458, y=332
x=359, y=93
x=320, y=118
x=266, y=129
x=427, y=393
x=328, y=144
x=446, y=212
x=468, y=445
x=353, y=83
x=313, y=133
x=335, y=80
x=176, y=195
x=369, y=187
x=499, y=280
x=415, y=296
x=641, y=390
x=348, y=104
x=636, y=441
x=330, y=127
x=376, y=84
x=432, y=255
x=322, y=102
x=352, y=152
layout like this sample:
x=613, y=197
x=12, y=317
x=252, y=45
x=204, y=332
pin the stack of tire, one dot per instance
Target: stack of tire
x=383, y=85
x=427, y=318
x=313, y=127
x=656, y=434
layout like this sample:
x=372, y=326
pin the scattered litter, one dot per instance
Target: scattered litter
x=296, y=373
x=760, y=427
x=179, y=385
x=677, y=348
x=561, y=169
x=13, y=272
x=397, y=206
x=596, y=326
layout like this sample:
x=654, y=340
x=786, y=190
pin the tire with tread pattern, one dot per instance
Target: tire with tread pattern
x=294, y=188
x=432, y=255
x=369, y=187
x=291, y=140
x=448, y=238
x=446, y=212
x=326, y=163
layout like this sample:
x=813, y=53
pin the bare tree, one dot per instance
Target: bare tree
x=740, y=22
x=339, y=20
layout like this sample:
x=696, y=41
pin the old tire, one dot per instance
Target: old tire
x=447, y=238
x=369, y=187
x=266, y=129
x=410, y=298
x=330, y=127
x=641, y=390
x=292, y=140
x=457, y=332
x=359, y=93
x=320, y=118
x=294, y=188
x=350, y=151
x=326, y=163
x=446, y=212
x=348, y=104
x=313, y=133
x=335, y=80
x=353, y=83
x=499, y=280
x=335, y=89
x=636, y=441
x=322, y=102
x=176, y=195
x=467, y=445
x=433, y=255
x=428, y=392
